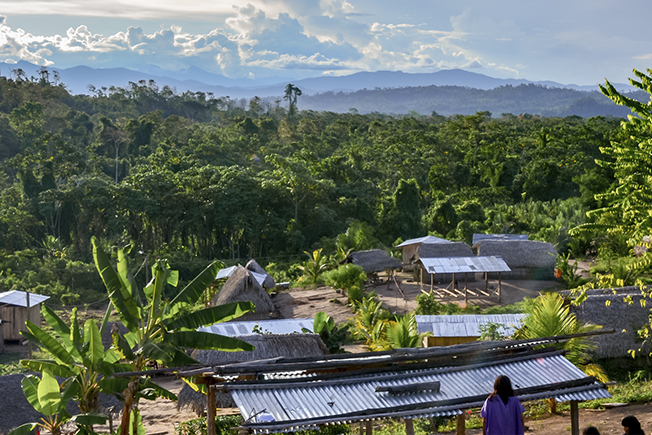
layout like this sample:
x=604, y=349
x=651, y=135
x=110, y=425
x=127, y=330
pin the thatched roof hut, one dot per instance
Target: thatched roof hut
x=15, y=410
x=528, y=259
x=242, y=286
x=624, y=318
x=255, y=267
x=267, y=346
x=373, y=260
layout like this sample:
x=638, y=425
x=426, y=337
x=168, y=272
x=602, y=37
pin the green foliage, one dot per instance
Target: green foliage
x=346, y=277
x=428, y=304
x=403, y=332
x=314, y=268
x=492, y=332
x=568, y=272
x=332, y=336
x=369, y=323
x=197, y=426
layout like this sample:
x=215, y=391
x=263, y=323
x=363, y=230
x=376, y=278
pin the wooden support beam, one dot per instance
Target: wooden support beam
x=369, y=427
x=454, y=283
x=500, y=287
x=575, y=418
x=421, y=280
x=460, y=428
x=362, y=428
x=432, y=281
x=409, y=426
x=210, y=411
x=486, y=281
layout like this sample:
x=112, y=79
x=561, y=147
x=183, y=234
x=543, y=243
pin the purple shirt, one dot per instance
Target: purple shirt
x=502, y=419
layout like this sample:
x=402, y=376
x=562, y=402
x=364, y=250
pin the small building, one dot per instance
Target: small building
x=440, y=250
x=242, y=286
x=410, y=247
x=253, y=266
x=14, y=311
x=447, y=330
x=373, y=261
x=527, y=259
x=606, y=307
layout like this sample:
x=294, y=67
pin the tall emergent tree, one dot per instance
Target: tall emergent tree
x=291, y=94
x=160, y=329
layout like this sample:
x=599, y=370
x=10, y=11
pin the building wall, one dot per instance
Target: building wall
x=13, y=320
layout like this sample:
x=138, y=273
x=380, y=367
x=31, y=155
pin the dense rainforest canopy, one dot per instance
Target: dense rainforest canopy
x=193, y=177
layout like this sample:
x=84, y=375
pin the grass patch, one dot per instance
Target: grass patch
x=10, y=364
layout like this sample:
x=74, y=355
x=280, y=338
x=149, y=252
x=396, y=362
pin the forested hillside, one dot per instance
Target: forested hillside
x=194, y=177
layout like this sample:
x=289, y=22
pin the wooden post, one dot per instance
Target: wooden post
x=500, y=287
x=369, y=428
x=210, y=410
x=575, y=418
x=486, y=282
x=433, y=425
x=461, y=424
x=432, y=279
x=29, y=343
x=454, y=283
x=409, y=427
x=421, y=283
x=361, y=428
x=466, y=287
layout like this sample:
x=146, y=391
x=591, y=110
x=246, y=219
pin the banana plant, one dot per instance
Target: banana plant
x=160, y=329
x=77, y=354
x=50, y=399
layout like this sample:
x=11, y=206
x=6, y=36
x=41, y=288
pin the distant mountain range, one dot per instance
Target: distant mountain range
x=381, y=91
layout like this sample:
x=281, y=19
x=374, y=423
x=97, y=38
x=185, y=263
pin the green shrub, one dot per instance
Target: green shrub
x=197, y=426
x=345, y=277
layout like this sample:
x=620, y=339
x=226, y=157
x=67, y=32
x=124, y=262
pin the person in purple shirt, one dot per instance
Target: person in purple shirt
x=502, y=413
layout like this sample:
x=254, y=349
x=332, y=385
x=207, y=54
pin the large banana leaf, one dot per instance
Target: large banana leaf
x=155, y=288
x=206, y=340
x=120, y=296
x=180, y=358
x=62, y=330
x=114, y=385
x=49, y=394
x=94, y=339
x=50, y=344
x=25, y=429
x=155, y=352
x=30, y=385
x=75, y=331
x=31, y=338
x=40, y=365
x=196, y=287
x=209, y=316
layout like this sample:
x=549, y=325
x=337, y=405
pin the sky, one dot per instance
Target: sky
x=579, y=42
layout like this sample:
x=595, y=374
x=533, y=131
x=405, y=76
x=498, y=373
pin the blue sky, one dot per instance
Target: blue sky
x=571, y=41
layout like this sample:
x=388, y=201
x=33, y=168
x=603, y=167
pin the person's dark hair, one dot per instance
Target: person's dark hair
x=633, y=424
x=503, y=388
x=591, y=430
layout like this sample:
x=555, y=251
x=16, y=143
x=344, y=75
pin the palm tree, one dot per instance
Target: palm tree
x=314, y=267
x=291, y=94
x=550, y=316
x=403, y=332
x=369, y=323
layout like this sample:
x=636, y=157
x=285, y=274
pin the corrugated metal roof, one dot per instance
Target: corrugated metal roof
x=427, y=240
x=466, y=325
x=479, y=237
x=280, y=326
x=464, y=264
x=19, y=298
x=228, y=271
x=297, y=404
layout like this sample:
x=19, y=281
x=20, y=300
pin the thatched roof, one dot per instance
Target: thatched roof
x=440, y=250
x=242, y=286
x=255, y=267
x=373, y=260
x=520, y=253
x=267, y=346
x=618, y=315
x=15, y=410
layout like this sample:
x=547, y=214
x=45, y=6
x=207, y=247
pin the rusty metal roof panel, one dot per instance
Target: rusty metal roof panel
x=466, y=325
x=355, y=399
